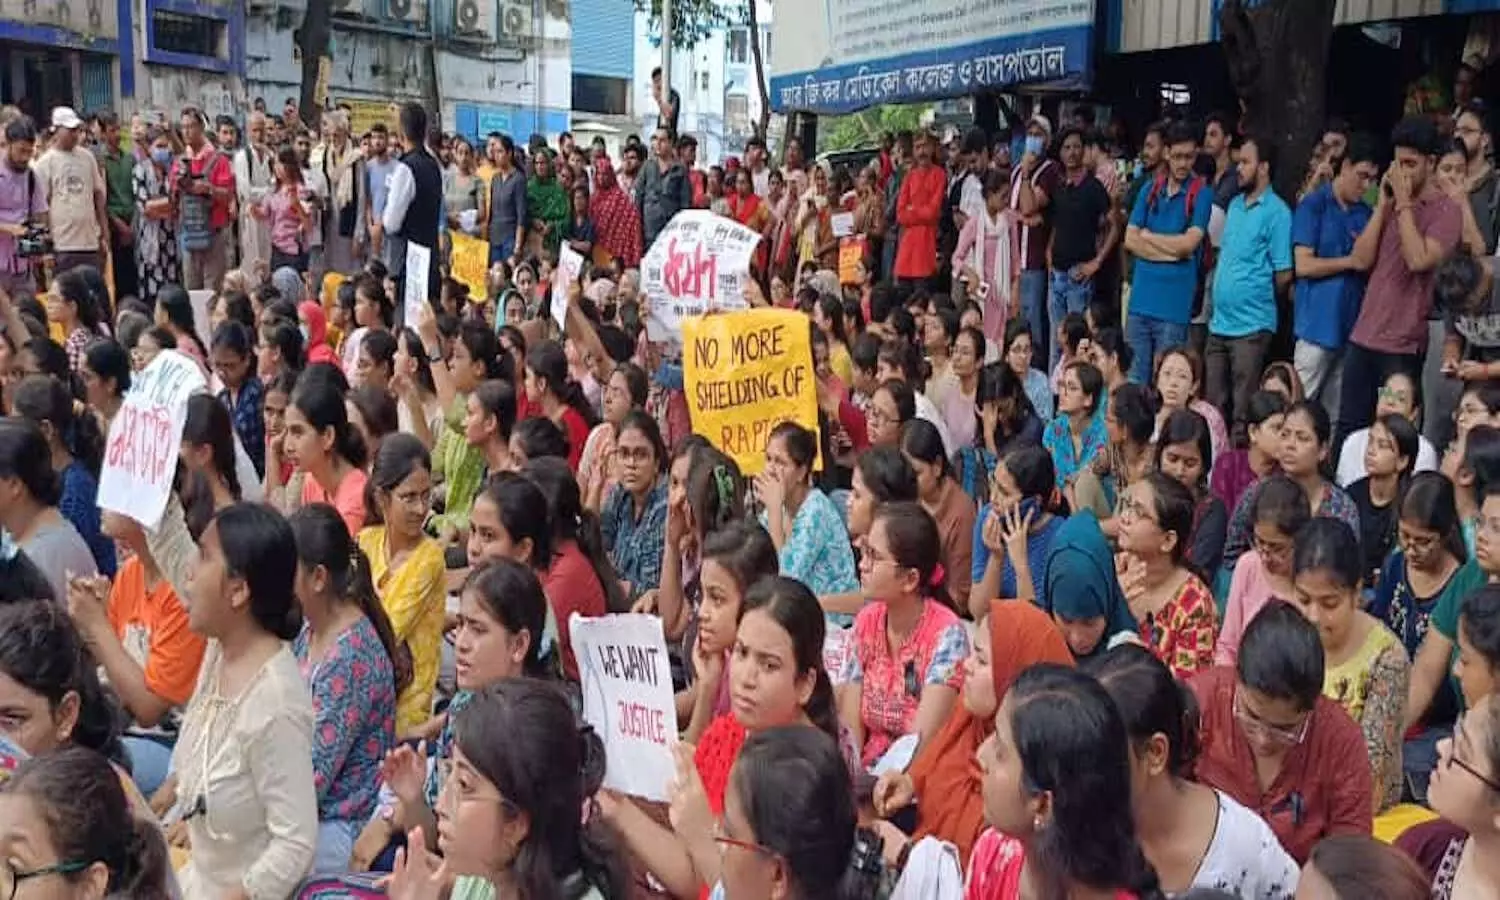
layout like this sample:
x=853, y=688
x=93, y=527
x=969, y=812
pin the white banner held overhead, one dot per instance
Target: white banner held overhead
x=418, y=261
x=140, y=457
x=627, y=698
x=700, y=262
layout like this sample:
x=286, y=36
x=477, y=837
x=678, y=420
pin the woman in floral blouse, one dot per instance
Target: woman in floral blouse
x=1365, y=665
x=1172, y=605
x=804, y=524
x=349, y=658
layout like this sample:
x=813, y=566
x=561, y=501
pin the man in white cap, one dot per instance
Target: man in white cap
x=74, y=184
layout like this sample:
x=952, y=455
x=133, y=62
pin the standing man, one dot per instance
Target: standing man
x=508, y=212
x=74, y=188
x=755, y=161
x=1083, y=235
x=378, y=171
x=204, y=187
x=253, y=181
x=1415, y=227
x=1255, y=264
x=668, y=104
x=793, y=158
x=664, y=189
x=119, y=204
x=414, y=206
x=902, y=156
x=687, y=154
x=918, y=209
x=1329, y=284
x=22, y=203
x=631, y=160
x=1032, y=185
x=1167, y=227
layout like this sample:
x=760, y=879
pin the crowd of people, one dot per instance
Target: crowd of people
x=1081, y=574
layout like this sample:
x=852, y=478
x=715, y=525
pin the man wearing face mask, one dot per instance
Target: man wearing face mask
x=1033, y=183
x=22, y=202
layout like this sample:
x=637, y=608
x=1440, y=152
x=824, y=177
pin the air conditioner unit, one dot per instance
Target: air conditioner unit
x=404, y=10
x=516, y=19
x=474, y=19
x=351, y=7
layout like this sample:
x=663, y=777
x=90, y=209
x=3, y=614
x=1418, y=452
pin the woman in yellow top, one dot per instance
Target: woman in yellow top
x=1365, y=665
x=828, y=315
x=407, y=566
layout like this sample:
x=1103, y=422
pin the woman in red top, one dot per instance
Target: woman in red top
x=776, y=678
x=559, y=398
x=1057, y=796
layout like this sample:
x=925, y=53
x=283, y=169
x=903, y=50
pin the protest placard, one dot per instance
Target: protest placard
x=469, y=263
x=851, y=254
x=418, y=259
x=627, y=698
x=569, y=267
x=745, y=373
x=699, y=262
x=140, y=456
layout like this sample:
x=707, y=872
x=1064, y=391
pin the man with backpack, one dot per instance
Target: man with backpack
x=203, y=184
x=1165, y=235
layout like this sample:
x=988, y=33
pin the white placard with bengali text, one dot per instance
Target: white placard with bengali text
x=140, y=456
x=569, y=267
x=418, y=263
x=628, y=699
x=699, y=262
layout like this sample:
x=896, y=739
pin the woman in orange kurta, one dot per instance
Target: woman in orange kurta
x=944, y=778
x=918, y=209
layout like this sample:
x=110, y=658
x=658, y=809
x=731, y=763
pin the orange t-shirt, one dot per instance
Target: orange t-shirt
x=153, y=626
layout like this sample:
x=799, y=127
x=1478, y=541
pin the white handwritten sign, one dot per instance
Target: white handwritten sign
x=418, y=259
x=569, y=267
x=627, y=698
x=140, y=458
x=699, y=262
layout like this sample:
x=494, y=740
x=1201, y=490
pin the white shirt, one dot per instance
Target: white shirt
x=1352, y=457
x=402, y=190
x=761, y=181
x=1244, y=857
x=926, y=410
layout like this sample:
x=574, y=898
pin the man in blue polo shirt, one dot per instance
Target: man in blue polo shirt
x=1165, y=236
x=1329, y=283
x=1255, y=263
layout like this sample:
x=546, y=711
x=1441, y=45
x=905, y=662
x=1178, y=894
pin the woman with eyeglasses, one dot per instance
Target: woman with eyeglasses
x=634, y=517
x=1264, y=572
x=1273, y=742
x=1017, y=354
x=1076, y=436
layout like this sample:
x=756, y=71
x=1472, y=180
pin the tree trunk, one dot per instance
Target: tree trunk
x=314, y=39
x=1278, y=60
x=752, y=22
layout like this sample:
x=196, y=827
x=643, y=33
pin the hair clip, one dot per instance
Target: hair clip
x=724, y=486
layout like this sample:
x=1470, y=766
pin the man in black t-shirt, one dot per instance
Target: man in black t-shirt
x=1083, y=233
x=668, y=108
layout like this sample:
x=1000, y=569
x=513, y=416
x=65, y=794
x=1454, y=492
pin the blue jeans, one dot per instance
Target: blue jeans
x=150, y=762
x=1034, y=311
x=1065, y=296
x=502, y=251
x=1149, y=336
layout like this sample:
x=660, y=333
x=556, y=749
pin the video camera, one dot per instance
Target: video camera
x=35, y=241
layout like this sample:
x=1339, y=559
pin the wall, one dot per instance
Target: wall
x=521, y=86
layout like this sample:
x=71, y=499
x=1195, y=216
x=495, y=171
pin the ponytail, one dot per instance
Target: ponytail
x=146, y=870
x=1141, y=879
x=571, y=522
x=822, y=709
x=590, y=539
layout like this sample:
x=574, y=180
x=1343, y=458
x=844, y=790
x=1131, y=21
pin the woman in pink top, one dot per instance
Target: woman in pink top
x=1264, y=572
x=988, y=257
x=1056, y=788
x=286, y=218
x=321, y=443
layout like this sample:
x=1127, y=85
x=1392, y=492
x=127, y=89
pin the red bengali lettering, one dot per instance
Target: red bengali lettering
x=689, y=273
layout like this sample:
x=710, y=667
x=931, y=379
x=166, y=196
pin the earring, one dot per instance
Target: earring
x=1037, y=823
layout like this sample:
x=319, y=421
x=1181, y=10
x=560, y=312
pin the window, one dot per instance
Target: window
x=739, y=46
x=765, y=46
x=600, y=95
x=737, y=112
x=173, y=32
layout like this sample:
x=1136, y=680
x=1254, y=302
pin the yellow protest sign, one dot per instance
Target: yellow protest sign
x=745, y=373
x=469, y=263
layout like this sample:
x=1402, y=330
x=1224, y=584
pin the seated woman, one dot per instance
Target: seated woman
x=1400, y=396
x=1365, y=668
x=1130, y=422
x=1172, y=604
x=1076, y=436
x=942, y=781
x=633, y=520
x=1354, y=866
x=354, y=669
x=882, y=475
x=516, y=742
x=1179, y=381
x=789, y=819
x=245, y=755
x=803, y=523
x=1273, y=742
x=29, y=491
x=210, y=478
x=1018, y=348
x=138, y=631
x=1424, y=572
x=1006, y=422
x=1264, y=572
x=457, y=464
x=1183, y=450
x=904, y=674
x=1083, y=591
x=1057, y=774
x=1195, y=836
x=490, y=428
x=1023, y=489
x=511, y=522
x=1235, y=470
x=406, y=569
x=944, y=500
x=324, y=446
x=891, y=406
x=776, y=679
x=1388, y=461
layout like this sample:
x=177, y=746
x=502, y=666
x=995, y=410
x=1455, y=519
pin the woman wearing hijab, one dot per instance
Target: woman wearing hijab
x=547, y=204
x=315, y=330
x=1083, y=593
x=617, y=223
x=944, y=776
